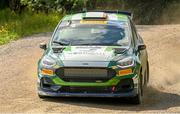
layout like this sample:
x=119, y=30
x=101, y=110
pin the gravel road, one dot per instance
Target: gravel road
x=18, y=64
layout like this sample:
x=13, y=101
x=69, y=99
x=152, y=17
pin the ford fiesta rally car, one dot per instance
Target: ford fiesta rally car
x=94, y=54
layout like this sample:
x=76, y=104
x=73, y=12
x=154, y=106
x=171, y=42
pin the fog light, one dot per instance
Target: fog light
x=125, y=72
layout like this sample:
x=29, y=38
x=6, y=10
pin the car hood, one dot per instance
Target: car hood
x=90, y=56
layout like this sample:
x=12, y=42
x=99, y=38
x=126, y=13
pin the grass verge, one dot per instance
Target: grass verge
x=14, y=26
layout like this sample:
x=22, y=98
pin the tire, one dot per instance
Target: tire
x=146, y=75
x=138, y=98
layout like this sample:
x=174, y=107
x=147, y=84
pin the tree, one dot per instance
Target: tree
x=4, y=4
x=16, y=6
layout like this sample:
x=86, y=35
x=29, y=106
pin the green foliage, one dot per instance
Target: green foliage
x=3, y=4
x=14, y=26
x=145, y=11
x=62, y=6
x=20, y=18
x=171, y=14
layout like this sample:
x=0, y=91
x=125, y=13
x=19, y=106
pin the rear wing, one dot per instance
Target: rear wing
x=112, y=11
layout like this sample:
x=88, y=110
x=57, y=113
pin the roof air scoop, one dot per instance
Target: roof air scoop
x=95, y=16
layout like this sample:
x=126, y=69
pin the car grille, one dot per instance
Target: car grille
x=85, y=74
x=72, y=72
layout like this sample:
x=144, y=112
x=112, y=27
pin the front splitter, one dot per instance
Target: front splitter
x=41, y=92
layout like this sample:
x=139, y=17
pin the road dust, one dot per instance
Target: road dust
x=18, y=64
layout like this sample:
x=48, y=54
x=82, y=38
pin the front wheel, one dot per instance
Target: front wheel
x=138, y=98
x=146, y=75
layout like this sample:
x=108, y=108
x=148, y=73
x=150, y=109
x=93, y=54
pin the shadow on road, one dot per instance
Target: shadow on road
x=153, y=100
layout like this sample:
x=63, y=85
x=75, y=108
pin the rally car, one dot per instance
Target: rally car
x=94, y=54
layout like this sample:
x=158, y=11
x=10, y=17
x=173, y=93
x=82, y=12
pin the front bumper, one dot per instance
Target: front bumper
x=54, y=91
x=116, y=81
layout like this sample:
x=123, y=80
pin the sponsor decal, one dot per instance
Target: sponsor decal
x=93, y=22
x=86, y=53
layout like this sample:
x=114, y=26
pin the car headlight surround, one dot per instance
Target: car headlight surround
x=126, y=62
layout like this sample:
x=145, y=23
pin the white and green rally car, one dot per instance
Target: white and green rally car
x=94, y=54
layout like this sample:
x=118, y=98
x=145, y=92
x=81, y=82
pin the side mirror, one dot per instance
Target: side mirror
x=141, y=47
x=43, y=46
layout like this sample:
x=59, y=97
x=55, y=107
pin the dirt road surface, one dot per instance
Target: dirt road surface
x=18, y=64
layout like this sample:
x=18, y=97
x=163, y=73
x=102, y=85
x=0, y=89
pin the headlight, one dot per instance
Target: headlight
x=126, y=62
x=48, y=62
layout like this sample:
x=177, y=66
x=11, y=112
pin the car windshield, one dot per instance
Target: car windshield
x=92, y=34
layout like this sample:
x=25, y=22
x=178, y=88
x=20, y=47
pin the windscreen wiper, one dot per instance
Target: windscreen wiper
x=100, y=44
